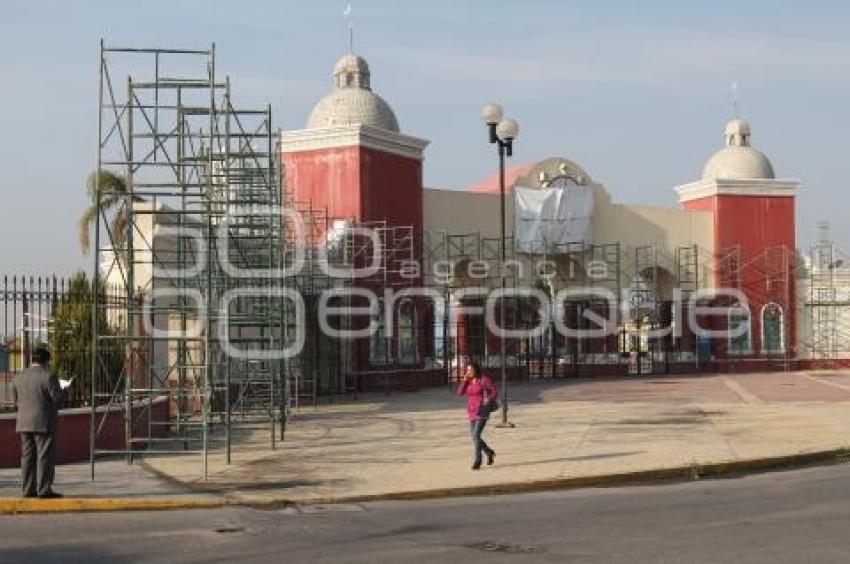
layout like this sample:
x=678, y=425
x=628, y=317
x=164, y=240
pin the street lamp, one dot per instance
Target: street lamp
x=502, y=131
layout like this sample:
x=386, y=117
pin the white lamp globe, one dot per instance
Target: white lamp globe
x=507, y=129
x=491, y=113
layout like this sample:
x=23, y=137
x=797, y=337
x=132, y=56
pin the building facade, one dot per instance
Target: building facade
x=733, y=228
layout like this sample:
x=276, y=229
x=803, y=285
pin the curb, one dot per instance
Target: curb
x=14, y=506
x=11, y=506
x=677, y=474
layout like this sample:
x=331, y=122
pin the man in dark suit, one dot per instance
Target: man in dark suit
x=37, y=394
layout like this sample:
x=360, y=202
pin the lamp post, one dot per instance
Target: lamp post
x=502, y=132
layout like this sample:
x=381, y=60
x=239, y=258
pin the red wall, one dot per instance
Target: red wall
x=368, y=185
x=73, y=432
x=326, y=177
x=755, y=223
x=751, y=221
x=391, y=188
x=359, y=182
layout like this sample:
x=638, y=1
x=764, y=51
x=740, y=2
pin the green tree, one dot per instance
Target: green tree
x=71, y=335
x=113, y=196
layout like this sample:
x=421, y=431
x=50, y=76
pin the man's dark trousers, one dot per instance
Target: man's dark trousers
x=38, y=463
x=37, y=394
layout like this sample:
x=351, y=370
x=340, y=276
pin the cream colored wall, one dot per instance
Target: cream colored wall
x=646, y=225
x=465, y=212
x=668, y=228
x=460, y=212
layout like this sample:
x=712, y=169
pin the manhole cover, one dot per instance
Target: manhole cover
x=505, y=547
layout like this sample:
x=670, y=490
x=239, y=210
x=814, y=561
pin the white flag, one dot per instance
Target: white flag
x=347, y=11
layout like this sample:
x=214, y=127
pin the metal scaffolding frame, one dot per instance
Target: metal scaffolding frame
x=328, y=365
x=195, y=257
x=543, y=356
x=768, y=279
x=643, y=274
x=826, y=301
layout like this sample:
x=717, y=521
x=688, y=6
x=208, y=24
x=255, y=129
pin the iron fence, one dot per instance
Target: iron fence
x=56, y=311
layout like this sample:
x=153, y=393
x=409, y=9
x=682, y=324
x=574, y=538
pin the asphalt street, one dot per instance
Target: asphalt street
x=794, y=516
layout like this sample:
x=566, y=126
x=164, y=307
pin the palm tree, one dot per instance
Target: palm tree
x=113, y=194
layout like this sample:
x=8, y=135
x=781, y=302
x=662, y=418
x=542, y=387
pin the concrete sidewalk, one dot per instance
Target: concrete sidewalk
x=419, y=443
x=579, y=433
x=117, y=486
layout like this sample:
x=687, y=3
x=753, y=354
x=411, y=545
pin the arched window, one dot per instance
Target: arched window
x=772, y=329
x=379, y=344
x=407, y=333
x=739, y=328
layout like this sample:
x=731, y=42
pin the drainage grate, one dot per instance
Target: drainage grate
x=228, y=530
x=505, y=547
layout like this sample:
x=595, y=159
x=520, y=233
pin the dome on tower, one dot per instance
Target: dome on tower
x=353, y=66
x=738, y=160
x=352, y=101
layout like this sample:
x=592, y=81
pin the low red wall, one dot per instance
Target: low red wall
x=74, y=427
x=754, y=365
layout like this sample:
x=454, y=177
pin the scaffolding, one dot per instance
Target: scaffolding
x=768, y=280
x=826, y=301
x=195, y=256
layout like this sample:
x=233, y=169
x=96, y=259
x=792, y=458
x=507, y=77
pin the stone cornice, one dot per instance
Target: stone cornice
x=352, y=135
x=762, y=188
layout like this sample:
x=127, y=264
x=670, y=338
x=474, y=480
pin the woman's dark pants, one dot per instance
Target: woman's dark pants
x=478, y=444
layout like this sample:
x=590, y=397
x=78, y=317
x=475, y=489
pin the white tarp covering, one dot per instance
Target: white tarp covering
x=551, y=215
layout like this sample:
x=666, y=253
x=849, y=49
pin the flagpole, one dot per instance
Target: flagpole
x=734, y=88
x=347, y=14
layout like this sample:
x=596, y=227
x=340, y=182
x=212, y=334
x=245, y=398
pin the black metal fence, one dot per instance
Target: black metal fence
x=55, y=311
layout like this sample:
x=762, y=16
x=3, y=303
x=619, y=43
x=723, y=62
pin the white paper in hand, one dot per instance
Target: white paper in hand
x=65, y=384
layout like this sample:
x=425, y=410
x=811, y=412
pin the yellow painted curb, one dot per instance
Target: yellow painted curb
x=11, y=506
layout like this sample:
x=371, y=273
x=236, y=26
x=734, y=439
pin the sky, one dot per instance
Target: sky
x=637, y=93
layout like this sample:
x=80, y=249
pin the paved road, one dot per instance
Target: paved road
x=799, y=516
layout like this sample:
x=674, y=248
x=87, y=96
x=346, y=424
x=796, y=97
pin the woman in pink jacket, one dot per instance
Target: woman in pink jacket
x=479, y=391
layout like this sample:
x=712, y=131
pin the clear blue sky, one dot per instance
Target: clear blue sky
x=635, y=92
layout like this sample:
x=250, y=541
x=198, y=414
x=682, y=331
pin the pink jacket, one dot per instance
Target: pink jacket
x=474, y=392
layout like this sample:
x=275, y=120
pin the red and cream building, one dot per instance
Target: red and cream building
x=735, y=227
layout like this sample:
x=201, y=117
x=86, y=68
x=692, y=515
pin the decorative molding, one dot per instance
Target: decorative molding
x=761, y=188
x=352, y=135
x=544, y=172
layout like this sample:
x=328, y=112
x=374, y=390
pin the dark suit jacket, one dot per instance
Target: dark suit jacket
x=38, y=395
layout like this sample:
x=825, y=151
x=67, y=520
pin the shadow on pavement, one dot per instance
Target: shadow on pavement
x=572, y=458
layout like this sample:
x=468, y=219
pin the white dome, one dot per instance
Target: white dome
x=738, y=160
x=737, y=163
x=352, y=100
x=347, y=106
